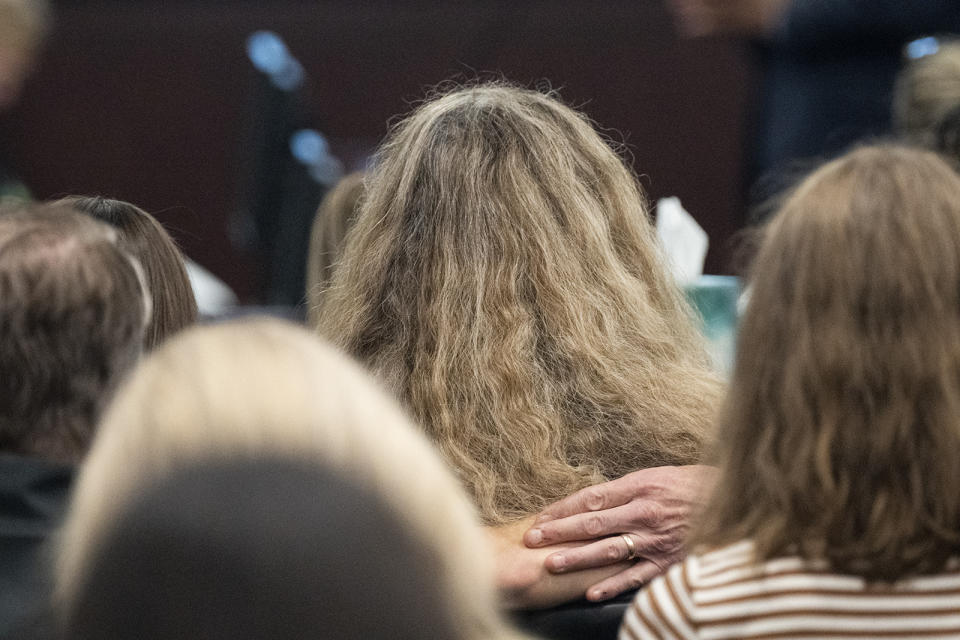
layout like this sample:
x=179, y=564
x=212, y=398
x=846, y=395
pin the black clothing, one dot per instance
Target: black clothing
x=33, y=498
x=577, y=620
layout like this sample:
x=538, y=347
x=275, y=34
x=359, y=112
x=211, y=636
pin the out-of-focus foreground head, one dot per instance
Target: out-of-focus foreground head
x=927, y=100
x=276, y=549
x=502, y=277
x=839, y=434
x=141, y=235
x=257, y=389
x=72, y=313
x=334, y=218
x=23, y=25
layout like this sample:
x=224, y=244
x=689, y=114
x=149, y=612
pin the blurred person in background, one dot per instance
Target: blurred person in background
x=23, y=26
x=837, y=510
x=827, y=71
x=144, y=238
x=927, y=99
x=257, y=391
x=276, y=549
x=333, y=219
x=73, y=308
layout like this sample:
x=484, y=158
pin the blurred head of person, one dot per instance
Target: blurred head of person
x=73, y=307
x=839, y=433
x=503, y=279
x=926, y=102
x=141, y=235
x=269, y=548
x=263, y=389
x=23, y=26
x=334, y=218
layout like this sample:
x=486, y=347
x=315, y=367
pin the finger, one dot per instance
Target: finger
x=602, y=496
x=598, y=554
x=634, y=516
x=627, y=580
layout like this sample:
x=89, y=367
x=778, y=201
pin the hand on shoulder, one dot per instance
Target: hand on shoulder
x=650, y=508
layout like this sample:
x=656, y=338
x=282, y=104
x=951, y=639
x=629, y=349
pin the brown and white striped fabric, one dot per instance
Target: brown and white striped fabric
x=723, y=594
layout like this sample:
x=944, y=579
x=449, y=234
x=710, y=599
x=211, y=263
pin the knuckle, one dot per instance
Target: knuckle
x=614, y=552
x=594, y=525
x=652, y=515
x=664, y=545
x=593, y=500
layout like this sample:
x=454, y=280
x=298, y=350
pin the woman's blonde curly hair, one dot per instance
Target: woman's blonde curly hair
x=502, y=278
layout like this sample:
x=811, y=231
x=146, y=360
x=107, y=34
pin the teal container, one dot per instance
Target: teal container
x=715, y=299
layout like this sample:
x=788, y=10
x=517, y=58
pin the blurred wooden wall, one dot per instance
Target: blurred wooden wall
x=146, y=100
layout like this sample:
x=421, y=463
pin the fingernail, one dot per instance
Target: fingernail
x=534, y=536
x=542, y=518
x=598, y=595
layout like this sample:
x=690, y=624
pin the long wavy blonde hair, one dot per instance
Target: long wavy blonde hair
x=840, y=433
x=502, y=277
x=253, y=390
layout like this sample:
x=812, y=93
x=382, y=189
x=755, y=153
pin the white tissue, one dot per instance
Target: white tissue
x=683, y=240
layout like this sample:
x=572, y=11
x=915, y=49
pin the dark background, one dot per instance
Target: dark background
x=148, y=100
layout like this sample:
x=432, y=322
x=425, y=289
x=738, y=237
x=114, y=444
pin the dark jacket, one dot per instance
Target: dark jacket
x=33, y=497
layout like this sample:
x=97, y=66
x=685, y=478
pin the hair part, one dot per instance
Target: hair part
x=838, y=435
x=503, y=279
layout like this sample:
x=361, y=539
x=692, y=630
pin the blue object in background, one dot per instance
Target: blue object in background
x=922, y=48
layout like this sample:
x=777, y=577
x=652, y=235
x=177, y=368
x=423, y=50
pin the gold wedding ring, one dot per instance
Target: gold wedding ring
x=631, y=547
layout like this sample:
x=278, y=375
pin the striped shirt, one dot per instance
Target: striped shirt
x=723, y=594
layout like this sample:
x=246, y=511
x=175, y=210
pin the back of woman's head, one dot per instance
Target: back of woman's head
x=141, y=235
x=260, y=549
x=502, y=278
x=255, y=389
x=330, y=225
x=839, y=435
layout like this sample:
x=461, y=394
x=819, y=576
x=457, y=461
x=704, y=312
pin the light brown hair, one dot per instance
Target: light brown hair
x=141, y=235
x=265, y=389
x=502, y=278
x=327, y=237
x=72, y=314
x=839, y=435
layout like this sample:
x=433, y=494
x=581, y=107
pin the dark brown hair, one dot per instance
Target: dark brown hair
x=174, y=306
x=840, y=433
x=502, y=277
x=72, y=315
x=334, y=218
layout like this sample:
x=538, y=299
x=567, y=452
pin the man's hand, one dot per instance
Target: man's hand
x=726, y=17
x=653, y=507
